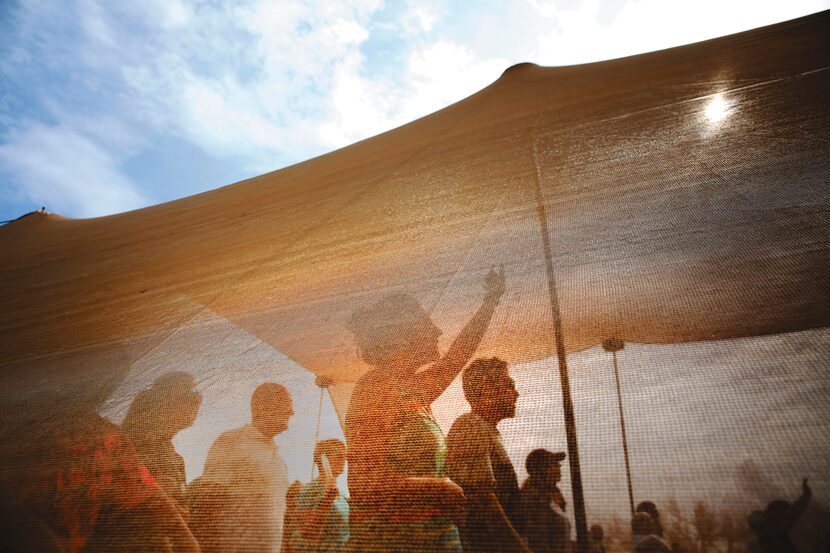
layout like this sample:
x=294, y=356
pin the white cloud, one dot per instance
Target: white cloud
x=577, y=35
x=436, y=75
x=93, y=19
x=250, y=83
x=260, y=84
x=361, y=107
x=421, y=16
x=347, y=32
x=170, y=14
x=68, y=172
x=445, y=72
x=224, y=121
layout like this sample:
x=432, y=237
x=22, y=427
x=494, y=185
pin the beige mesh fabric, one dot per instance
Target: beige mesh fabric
x=686, y=198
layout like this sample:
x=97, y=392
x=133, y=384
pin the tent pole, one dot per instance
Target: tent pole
x=567, y=403
x=322, y=382
x=613, y=345
x=317, y=432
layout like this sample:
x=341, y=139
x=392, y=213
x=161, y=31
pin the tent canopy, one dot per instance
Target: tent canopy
x=668, y=223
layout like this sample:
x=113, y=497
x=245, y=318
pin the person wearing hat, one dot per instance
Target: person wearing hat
x=541, y=510
x=643, y=536
x=649, y=508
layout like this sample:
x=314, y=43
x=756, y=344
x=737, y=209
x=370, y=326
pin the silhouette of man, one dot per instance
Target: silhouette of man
x=643, y=536
x=778, y=519
x=245, y=463
x=478, y=462
x=649, y=508
x=541, y=511
x=155, y=416
x=596, y=538
x=317, y=515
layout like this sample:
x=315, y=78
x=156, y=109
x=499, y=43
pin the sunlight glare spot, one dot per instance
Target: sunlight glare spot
x=717, y=109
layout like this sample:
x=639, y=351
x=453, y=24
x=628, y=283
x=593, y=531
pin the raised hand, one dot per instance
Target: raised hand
x=432, y=382
x=494, y=283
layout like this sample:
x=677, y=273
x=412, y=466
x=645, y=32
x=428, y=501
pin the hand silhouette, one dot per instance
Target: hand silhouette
x=494, y=283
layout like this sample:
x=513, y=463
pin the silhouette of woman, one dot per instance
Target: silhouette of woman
x=401, y=499
x=155, y=416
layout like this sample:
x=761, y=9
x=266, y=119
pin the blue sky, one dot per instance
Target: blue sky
x=112, y=106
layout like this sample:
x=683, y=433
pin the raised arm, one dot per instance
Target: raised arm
x=797, y=509
x=432, y=382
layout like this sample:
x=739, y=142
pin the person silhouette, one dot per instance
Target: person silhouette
x=643, y=536
x=400, y=497
x=778, y=519
x=596, y=539
x=245, y=469
x=542, y=506
x=649, y=508
x=755, y=523
x=85, y=482
x=317, y=514
x=478, y=462
x=154, y=417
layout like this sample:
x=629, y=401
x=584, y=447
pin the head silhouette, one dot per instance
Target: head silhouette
x=489, y=389
x=641, y=524
x=544, y=467
x=271, y=407
x=395, y=333
x=597, y=533
x=649, y=508
x=777, y=509
x=335, y=451
x=167, y=407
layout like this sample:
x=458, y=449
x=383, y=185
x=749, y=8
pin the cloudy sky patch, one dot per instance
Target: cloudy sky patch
x=106, y=107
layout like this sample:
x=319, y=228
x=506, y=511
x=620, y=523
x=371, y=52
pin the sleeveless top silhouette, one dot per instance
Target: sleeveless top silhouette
x=417, y=448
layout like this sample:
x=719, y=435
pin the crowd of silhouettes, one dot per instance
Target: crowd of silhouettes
x=123, y=488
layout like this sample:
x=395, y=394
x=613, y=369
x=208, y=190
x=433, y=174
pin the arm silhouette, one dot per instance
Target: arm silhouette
x=432, y=382
x=797, y=509
x=443, y=493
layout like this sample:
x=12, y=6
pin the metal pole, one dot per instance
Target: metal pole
x=567, y=403
x=317, y=432
x=613, y=345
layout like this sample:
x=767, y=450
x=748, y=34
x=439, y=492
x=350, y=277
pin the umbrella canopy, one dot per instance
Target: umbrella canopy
x=686, y=195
